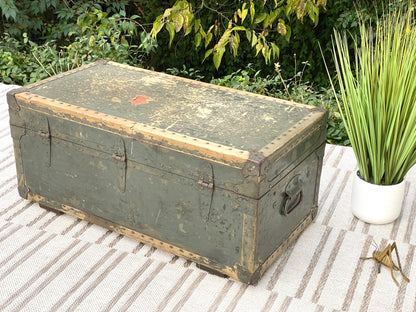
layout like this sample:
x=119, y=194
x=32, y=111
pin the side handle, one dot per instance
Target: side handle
x=293, y=195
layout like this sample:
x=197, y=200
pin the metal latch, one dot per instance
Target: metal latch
x=46, y=135
x=119, y=157
x=209, y=185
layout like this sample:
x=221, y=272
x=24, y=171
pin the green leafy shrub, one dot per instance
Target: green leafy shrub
x=97, y=36
x=216, y=26
x=17, y=63
x=186, y=72
x=50, y=19
x=103, y=36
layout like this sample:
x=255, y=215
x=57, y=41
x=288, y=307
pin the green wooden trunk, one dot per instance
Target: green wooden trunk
x=225, y=178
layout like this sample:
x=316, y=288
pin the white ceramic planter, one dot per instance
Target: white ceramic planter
x=376, y=204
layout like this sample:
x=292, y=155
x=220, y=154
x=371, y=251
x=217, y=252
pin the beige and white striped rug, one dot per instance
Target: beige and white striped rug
x=54, y=262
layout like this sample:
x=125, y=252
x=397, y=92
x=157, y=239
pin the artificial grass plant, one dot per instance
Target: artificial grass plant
x=378, y=92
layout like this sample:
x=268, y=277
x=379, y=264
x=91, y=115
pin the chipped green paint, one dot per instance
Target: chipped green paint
x=198, y=170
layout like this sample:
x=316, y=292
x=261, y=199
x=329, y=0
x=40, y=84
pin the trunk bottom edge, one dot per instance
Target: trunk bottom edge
x=237, y=272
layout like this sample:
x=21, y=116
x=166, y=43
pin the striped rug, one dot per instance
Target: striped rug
x=54, y=262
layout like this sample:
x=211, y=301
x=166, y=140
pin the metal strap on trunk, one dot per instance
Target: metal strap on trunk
x=119, y=155
x=44, y=133
x=206, y=181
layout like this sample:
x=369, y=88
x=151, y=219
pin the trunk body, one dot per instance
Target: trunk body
x=224, y=178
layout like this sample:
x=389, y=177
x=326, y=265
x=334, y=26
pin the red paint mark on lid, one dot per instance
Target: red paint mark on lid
x=140, y=99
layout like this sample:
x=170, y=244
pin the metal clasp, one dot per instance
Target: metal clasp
x=121, y=158
x=45, y=135
x=209, y=185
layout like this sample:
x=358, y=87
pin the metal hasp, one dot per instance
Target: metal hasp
x=224, y=178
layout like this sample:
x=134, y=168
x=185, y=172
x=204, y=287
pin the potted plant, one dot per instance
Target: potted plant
x=378, y=92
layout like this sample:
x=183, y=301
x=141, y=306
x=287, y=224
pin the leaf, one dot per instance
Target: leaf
x=252, y=11
x=266, y=21
x=157, y=26
x=198, y=38
x=244, y=14
x=248, y=35
x=178, y=20
x=91, y=41
x=266, y=53
x=188, y=19
x=208, y=39
x=275, y=50
x=289, y=8
x=124, y=42
x=197, y=25
x=234, y=43
x=254, y=41
x=167, y=13
x=101, y=15
x=132, y=28
x=218, y=56
x=170, y=27
x=314, y=14
x=238, y=28
x=273, y=16
x=288, y=33
x=281, y=27
x=202, y=32
x=8, y=9
x=223, y=40
x=260, y=18
x=300, y=10
x=259, y=46
x=124, y=26
x=207, y=53
x=239, y=14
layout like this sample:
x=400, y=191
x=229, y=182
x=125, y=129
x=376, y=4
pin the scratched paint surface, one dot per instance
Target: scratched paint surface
x=197, y=110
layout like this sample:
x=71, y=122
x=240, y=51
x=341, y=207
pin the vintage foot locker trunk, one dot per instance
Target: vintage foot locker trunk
x=225, y=178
